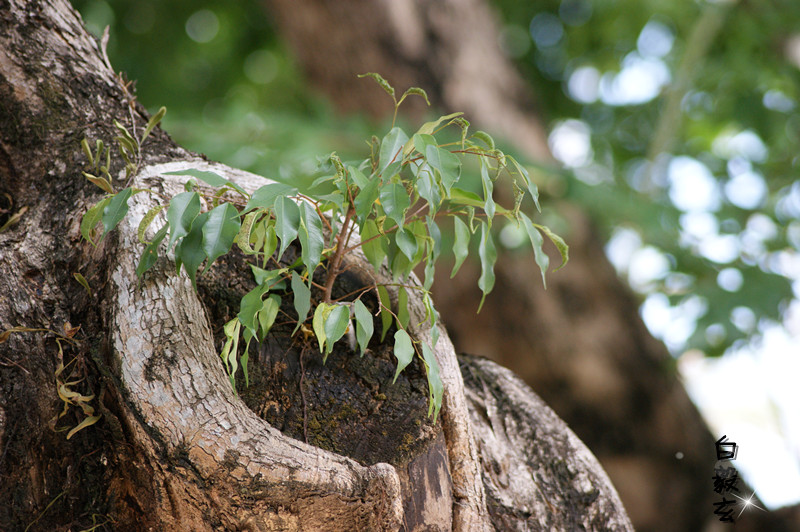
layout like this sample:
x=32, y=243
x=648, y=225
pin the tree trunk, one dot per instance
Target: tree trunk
x=175, y=447
x=581, y=343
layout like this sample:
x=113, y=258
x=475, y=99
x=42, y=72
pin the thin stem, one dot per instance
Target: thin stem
x=333, y=271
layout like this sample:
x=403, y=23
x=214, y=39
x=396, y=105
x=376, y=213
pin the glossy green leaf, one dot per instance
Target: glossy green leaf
x=312, y=241
x=536, y=241
x=391, y=149
x=150, y=253
x=373, y=244
x=250, y=305
x=395, y=202
x=447, y=164
x=435, y=386
x=488, y=255
x=386, y=315
x=220, y=230
x=211, y=178
x=146, y=221
x=92, y=218
x=287, y=222
x=488, y=188
x=336, y=325
x=182, y=210
x=427, y=129
x=407, y=243
x=461, y=244
x=267, y=314
x=116, y=209
x=302, y=299
x=366, y=198
x=320, y=315
x=428, y=188
x=266, y=277
x=358, y=177
x=189, y=251
x=403, y=351
x=364, y=325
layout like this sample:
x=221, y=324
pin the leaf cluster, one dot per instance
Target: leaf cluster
x=389, y=205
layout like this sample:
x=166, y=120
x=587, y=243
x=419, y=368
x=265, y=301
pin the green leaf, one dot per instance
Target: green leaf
x=266, y=277
x=219, y=231
x=402, y=308
x=211, y=178
x=391, y=149
x=435, y=386
x=488, y=256
x=336, y=325
x=562, y=246
x=373, y=244
x=428, y=188
x=267, y=314
x=320, y=315
x=100, y=182
x=365, y=199
x=153, y=122
x=92, y=218
x=382, y=82
x=83, y=282
x=461, y=245
x=146, y=221
x=310, y=232
x=364, y=325
x=386, y=315
x=358, y=177
x=395, y=202
x=488, y=188
x=246, y=357
x=302, y=299
x=243, y=238
x=417, y=91
x=403, y=351
x=287, y=221
x=485, y=138
x=150, y=253
x=189, y=251
x=407, y=243
x=264, y=197
x=536, y=241
x=427, y=129
x=447, y=164
x=532, y=188
x=182, y=211
x=116, y=209
x=250, y=305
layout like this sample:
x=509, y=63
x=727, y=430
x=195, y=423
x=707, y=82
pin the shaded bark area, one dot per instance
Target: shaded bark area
x=175, y=447
x=581, y=344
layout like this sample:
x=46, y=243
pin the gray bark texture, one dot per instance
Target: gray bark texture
x=175, y=448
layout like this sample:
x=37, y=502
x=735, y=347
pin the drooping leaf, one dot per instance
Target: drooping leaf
x=150, y=253
x=91, y=420
x=380, y=81
x=267, y=315
x=461, y=245
x=116, y=209
x=417, y=91
x=532, y=188
x=312, y=241
x=488, y=188
x=302, y=299
x=364, y=325
x=366, y=198
x=488, y=255
x=92, y=218
x=146, y=221
x=427, y=129
x=485, y=138
x=243, y=238
x=435, y=386
x=182, y=211
x=100, y=182
x=403, y=351
x=536, y=241
x=189, y=252
x=320, y=315
x=336, y=325
x=563, y=248
x=250, y=305
x=447, y=164
x=372, y=245
x=212, y=178
x=220, y=230
x=402, y=308
x=407, y=243
x=287, y=221
x=386, y=315
x=429, y=188
x=391, y=150
x=264, y=197
x=395, y=202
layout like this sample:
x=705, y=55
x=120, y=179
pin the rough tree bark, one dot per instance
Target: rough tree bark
x=175, y=448
x=580, y=344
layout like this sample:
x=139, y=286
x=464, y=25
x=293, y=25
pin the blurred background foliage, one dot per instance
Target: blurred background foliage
x=677, y=122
